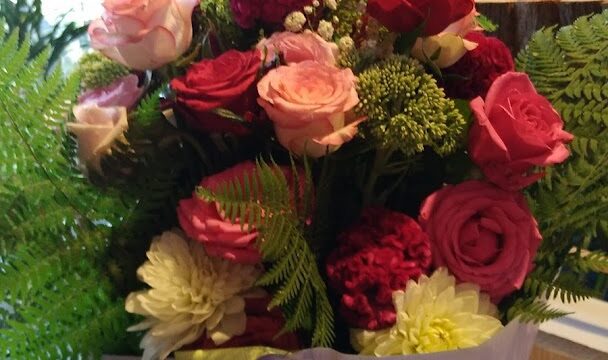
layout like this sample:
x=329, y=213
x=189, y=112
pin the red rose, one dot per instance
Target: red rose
x=515, y=129
x=407, y=15
x=482, y=234
x=225, y=82
x=247, y=13
x=262, y=328
x=481, y=66
x=375, y=257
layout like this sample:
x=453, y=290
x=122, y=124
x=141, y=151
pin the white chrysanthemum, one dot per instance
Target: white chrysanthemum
x=191, y=294
x=325, y=30
x=433, y=315
x=294, y=21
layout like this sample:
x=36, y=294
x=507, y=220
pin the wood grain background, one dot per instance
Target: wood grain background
x=518, y=20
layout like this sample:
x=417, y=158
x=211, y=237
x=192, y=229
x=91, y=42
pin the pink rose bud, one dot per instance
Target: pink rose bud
x=143, y=34
x=96, y=129
x=295, y=48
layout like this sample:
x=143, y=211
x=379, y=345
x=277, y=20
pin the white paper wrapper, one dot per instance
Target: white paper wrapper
x=514, y=342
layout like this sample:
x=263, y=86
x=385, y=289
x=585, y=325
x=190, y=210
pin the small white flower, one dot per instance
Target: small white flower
x=316, y=3
x=346, y=43
x=326, y=30
x=295, y=21
x=190, y=294
x=332, y=4
x=309, y=9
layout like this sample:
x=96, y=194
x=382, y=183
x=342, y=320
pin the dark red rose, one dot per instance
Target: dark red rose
x=248, y=13
x=375, y=257
x=225, y=82
x=516, y=130
x=262, y=327
x=407, y=15
x=478, y=68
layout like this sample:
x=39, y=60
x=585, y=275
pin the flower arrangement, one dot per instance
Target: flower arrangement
x=342, y=173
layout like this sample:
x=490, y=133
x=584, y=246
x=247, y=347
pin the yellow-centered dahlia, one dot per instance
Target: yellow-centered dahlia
x=191, y=294
x=433, y=314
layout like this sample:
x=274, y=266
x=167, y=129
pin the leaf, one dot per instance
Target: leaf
x=293, y=276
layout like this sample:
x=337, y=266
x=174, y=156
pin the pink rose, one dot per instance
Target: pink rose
x=96, y=128
x=308, y=102
x=295, y=48
x=143, y=34
x=515, y=129
x=482, y=234
x=122, y=92
x=204, y=221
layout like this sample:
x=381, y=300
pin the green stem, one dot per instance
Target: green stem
x=380, y=161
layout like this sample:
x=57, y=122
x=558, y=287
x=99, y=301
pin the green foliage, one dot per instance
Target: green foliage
x=406, y=109
x=533, y=311
x=349, y=13
x=485, y=23
x=25, y=18
x=95, y=70
x=569, y=67
x=264, y=201
x=55, y=228
x=221, y=23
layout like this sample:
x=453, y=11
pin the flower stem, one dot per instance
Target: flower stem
x=381, y=160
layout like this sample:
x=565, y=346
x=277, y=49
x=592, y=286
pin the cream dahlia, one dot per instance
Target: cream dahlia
x=433, y=314
x=191, y=295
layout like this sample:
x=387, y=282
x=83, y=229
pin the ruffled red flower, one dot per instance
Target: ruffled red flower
x=248, y=13
x=375, y=257
x=477, y=69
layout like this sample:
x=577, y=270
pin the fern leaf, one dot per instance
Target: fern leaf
x=57, y=300
x=299, y=288
x=533, y=311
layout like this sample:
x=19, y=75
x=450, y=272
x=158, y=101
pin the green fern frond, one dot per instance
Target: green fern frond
x=565, y=286
x=533, y=311
x=55, y=228
x=592, y=261
x=264, y=199
x=570, y=67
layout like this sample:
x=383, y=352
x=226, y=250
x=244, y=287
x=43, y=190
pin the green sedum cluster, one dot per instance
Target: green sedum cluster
x=95, y=71
x=406, y=109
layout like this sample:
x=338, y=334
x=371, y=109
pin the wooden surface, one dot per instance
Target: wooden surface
x=549, y=347
x=518, y=20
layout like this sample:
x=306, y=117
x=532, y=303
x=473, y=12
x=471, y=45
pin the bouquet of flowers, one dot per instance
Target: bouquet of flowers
x=296, y=174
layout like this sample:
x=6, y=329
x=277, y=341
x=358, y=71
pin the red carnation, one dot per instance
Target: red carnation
x=479, y=67
x=375, y=257
x=247, y=13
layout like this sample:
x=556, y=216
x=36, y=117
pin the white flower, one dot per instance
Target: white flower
x=191, y=294
x=316, y=3
x=346, y=43
x=433, y=315
x=96, y=129
x=309, y=9
x=325, y=29
x=295, y=21
x=332, y=4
